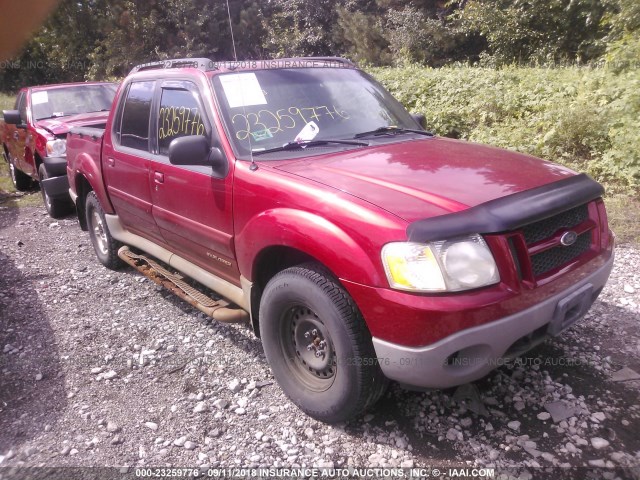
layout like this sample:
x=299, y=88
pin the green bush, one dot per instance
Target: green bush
x=585, y=118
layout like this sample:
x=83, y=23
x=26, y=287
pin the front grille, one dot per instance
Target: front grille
x=546, y=228
x=546, y=261
x=557, y=256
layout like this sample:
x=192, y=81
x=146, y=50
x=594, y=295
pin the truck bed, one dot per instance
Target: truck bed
x=84, y=146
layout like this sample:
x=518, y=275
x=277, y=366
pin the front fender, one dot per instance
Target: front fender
x=310, y=233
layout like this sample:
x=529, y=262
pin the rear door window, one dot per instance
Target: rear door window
x=134, y=126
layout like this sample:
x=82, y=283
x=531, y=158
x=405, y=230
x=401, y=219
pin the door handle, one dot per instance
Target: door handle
x=158, y=177
x=16, y=135
x=111, y=162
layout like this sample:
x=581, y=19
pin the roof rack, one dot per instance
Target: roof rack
x=203, y=64
x=330, y=59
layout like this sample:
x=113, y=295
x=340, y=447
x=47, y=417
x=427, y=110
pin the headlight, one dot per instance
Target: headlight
x=56, y=148
x=450, y=265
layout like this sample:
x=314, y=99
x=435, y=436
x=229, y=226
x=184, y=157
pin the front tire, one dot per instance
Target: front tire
x=21, y=181
x=105, y=246
x=56, y=208
x=318, y=346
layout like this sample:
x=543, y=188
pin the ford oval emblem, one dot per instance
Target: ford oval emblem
x=569, y=238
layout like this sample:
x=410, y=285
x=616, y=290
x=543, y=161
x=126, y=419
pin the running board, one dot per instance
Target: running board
x=219, y=310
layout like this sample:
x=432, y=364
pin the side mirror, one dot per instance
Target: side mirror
x=12, y=117
x=419, y=118
x=191, y=150
x=195, y=150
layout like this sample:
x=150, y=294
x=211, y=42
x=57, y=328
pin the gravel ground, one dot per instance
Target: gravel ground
x=101, y=368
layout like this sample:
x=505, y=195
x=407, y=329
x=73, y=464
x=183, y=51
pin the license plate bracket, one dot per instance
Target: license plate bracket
x=570, y=309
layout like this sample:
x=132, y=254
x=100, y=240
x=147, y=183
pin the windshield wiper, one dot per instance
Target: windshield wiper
x=52, y=116
x=308, y=143
x=392, y=130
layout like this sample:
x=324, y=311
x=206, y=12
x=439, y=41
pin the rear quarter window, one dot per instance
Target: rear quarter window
x=134, y=126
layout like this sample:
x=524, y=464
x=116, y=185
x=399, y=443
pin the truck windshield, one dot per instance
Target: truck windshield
x=71, y=100
x=265, y=109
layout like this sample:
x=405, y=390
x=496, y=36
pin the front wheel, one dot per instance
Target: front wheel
x=56, y=208
x=21, y=181
x=318, y=346
x=105, y=246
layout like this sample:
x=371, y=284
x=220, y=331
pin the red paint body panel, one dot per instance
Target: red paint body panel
x=418, y=320
x=422, y=178
x=194, y=214
x=275, y=209
x=339, y=208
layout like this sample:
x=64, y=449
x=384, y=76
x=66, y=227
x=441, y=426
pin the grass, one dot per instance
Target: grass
x=7, y=101
x=9, y=197
x=624, y=218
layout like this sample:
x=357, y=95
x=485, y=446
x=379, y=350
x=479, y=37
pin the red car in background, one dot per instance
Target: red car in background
x=33, y=135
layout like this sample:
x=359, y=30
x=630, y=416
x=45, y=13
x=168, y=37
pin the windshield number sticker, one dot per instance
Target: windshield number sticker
x=284, y=118
x=242, y=90
x=39, y=97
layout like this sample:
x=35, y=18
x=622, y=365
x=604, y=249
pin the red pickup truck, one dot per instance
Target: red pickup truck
x=33, y=136
x=359, y=247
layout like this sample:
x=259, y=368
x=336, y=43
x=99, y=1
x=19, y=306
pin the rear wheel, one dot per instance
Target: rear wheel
x=318, y=345
x=105, y=246
x=56, y=208
x=21, y=181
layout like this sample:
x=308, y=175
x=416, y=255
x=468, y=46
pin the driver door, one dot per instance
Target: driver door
x=192, y=208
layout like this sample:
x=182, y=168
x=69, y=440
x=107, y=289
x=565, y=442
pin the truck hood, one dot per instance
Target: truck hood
x=424, y=178
x=62, y=125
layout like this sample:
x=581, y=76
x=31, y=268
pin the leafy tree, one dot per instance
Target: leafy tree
x=415, y=38
x=623, y=50
x=360, y=36
x=539, y=31
x=140, y=32
x=300, y=27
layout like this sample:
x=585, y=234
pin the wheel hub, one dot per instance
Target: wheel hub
x=45, y=197
x=312, y=344
x=98, y=231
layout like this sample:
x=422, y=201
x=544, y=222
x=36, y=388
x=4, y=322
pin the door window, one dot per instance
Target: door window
x=134, y=130
x=180, y=115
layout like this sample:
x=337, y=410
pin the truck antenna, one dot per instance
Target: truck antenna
x=233, y=42
x=253, y=166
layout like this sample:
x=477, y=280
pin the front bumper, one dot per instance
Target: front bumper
x=470, y=354
x=57, y=185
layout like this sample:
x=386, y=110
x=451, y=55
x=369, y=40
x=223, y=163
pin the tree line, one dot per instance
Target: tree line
x=102, y=39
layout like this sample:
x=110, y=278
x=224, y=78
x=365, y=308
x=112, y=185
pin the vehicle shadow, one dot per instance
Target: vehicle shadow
x=32, y=383
x=8, y=210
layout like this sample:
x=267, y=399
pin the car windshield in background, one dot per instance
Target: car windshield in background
x=72, y=100
x=266, y=109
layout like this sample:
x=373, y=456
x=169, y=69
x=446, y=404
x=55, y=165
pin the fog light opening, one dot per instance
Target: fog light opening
x=452, y=359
